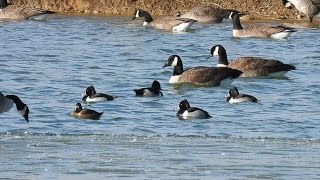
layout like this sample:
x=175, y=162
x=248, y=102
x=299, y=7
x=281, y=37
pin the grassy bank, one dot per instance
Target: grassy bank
x=257, y=9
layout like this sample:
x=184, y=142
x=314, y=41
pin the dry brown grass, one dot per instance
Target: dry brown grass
x=256, y=9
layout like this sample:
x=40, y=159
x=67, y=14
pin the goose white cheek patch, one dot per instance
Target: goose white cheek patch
x=215, y=52
x=137, y=14
x=230, y=16
x=175, y=61
x=23, y=112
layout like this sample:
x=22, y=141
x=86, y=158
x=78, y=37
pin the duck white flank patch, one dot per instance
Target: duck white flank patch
x=98, y=99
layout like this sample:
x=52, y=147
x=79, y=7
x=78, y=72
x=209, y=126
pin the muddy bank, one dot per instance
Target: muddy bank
x=257, y=9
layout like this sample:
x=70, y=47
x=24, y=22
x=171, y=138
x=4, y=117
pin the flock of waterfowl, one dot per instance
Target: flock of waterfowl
x=224, y=73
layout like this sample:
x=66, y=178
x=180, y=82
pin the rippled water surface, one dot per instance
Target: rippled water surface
x=50, y=64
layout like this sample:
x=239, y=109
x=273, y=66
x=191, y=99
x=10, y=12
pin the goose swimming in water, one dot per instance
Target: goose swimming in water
x=258, y=30
x=201, y=76
x=251, y=66
x=15, y=12
x=170, y=23
x=207, y=13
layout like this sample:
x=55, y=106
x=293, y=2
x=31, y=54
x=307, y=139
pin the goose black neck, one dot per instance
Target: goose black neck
x=178, y=70
x=223, y=58
x=147, y=16
x=236, y=22
x=20, y=105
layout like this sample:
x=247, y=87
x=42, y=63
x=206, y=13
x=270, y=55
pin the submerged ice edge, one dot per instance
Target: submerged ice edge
x=129, y=137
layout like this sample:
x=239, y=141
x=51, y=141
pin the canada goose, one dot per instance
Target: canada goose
x=207, y=14
x=19, y=12
x=201, y=76
x=309, y=7
x=185, y=111
x=258, y=30
x=92, y=96
x=85, y=113
x=6, y=103
x=154, y=90
x=251, y=66
x=171, y=23
x=235, y=97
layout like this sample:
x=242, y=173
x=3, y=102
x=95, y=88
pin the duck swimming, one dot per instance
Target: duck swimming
x=152, y=91
x=186, y=112
x=85, y=113
x=92, y=96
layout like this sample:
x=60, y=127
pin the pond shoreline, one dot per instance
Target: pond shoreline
x=256, y=10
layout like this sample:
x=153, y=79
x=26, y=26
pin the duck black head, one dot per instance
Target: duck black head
x=90, y=91
x=184, y=105
x=156, y=85
x=78, y=107
x=233, y=92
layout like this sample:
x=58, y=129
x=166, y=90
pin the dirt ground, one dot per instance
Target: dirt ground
x=256, y=9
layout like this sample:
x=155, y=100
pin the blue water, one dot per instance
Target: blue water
x=50, y=64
